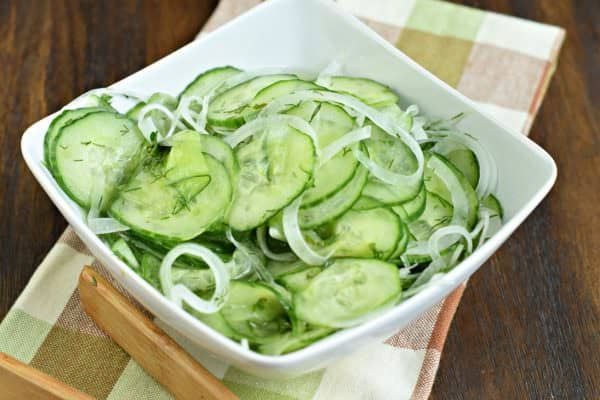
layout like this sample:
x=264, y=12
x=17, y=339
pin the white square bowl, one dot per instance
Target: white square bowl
x=306, y=35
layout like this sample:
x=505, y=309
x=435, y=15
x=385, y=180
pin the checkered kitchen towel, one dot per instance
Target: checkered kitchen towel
x=503, y=63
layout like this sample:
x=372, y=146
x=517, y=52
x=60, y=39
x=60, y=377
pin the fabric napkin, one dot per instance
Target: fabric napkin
x=501, y=62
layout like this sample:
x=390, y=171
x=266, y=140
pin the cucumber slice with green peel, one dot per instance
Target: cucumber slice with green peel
x=402, y=243
x=367, y=203
x=217, y=322
x=400, y=212
x=366, y=90
x=221, y=151
x=435, y=184
x=366, y=234
x=335, y=205
x=64, y=118
x=395, y=156
x=404, y=119
x=461, y=157
x=123, y=251
x=164, y=99
x=331, y=122
x=298, y=280
x=99, y=148
x=492, y=203
x=204, y=83
x=280, y=268
x=437, y=214
x=415, y=207
x=289, y=342
x=179, y=196
x=226, y=109
x=278, y=89
x=348, y=291
x=253, y=311
x=134, y=111
x=275, y=167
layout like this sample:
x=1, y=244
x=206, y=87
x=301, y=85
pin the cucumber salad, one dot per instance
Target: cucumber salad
x=274, y=207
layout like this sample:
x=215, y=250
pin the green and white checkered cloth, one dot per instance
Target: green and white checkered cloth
x=501, y=62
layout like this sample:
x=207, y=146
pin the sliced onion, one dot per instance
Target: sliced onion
x=488, y=171
x=378, y=118
x=261, y=239
x=460, y=202
x=450, y=232
x=376, y=170
x=180, y=293
x=260, y=124
x=332, y=69
x=185, y=113
x=293, y=234
x=348, y=139
x=105, y=225
x=147, y=126
x=85, y=100
x=253, y=262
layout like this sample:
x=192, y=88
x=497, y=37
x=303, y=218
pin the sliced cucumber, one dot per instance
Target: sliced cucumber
x=280, y=268
x=415, y=207
x=461, y=157
x=217, y=322
x=204, y=83
x=437, y=214
x=394, y=155
x=434, y=184
x=275, y=167
x=123, y=251
x=368, y=91
x=402, y=243
x=404, y=119
x=493, y=204
x=64, y=118
x=335, y=205
x=96, y=149
x=367, y=234
x=331, y=122
x=347, y=291
x=217, y=148
x=179, y=196
x=367, y=203
x=253, y=311
x=288, y=342
x=278, y=89
x=226, y=110
x=298, y=280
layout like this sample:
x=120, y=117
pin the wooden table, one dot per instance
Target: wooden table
x=529, y=322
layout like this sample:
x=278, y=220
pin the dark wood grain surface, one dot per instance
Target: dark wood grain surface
x=529, y=322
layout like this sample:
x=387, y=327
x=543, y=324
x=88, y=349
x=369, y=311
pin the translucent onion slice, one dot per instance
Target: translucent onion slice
x=261, y=239
x=251, y=261
x=147, y=126
x=488, y=171
x=376, y=170
x=293, y=234
x=460, y=202
x=259, y=124
x=125, y=99
x=451, y=231
x=180, y=293
x=348, y=139
x=194, y=119
x=332, y=69
x=105, y=225
x=378, y=118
